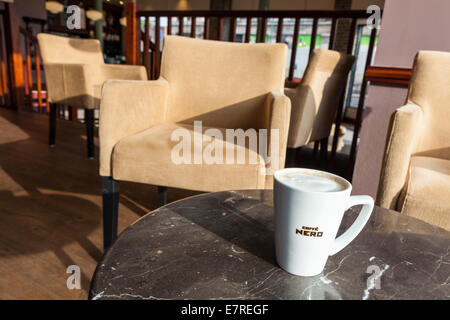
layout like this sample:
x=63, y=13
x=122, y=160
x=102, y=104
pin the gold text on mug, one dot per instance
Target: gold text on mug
x=309, y=232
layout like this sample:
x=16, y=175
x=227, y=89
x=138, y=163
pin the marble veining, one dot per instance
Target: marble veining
x=220, y=246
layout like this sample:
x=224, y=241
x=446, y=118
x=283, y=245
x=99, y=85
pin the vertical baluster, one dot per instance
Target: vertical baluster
x=294, y=49
x=313, y=36
x=279, y=29
x=248, y=29
x=157, y=46
x=4, y=79
x=315, y=153
x=3, y=83
x=341, y=106
x=29, y=71
x=138, y=42
x=38, y=77
x=351, y=37
x=362, y=97
x=147, y=46
x=341, y=101
x=219, y=28
x=2, y=96
x=332, y=32
x=181, y=25
x=169, y=25
x=206, y=28
x=232, y=37
x=193, y=26
x=131, y=38
x=262, y=37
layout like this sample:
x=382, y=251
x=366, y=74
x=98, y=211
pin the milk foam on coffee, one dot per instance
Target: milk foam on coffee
x=311, y=182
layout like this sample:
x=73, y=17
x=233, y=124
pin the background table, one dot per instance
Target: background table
x=220, y=246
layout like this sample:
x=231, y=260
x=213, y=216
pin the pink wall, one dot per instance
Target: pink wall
x=31, y=8
x=407, y=27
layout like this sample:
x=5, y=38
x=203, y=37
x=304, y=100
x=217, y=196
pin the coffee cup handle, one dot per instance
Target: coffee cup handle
x=344, y=239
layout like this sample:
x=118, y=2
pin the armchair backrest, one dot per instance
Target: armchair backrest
x=57, y=49
x=430, y=89
x=316, y=99
x=207, y=76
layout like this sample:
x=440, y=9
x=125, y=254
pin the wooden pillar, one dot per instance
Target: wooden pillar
x=263, y=5
x=14, y=57
x=131, y=33
x=214, y=24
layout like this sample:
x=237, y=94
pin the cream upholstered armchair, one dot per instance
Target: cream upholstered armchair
x=74, y=73
x=415, y=177
x=316, y=99
x=224, y=85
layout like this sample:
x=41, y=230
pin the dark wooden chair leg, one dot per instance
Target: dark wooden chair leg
x=162, y=196
x=297, y=157
x=290, y=158
x=110, y=194
x=70, y=111
x=315, y=152
x=89, y=118
x=324, y=149
x=52, y=125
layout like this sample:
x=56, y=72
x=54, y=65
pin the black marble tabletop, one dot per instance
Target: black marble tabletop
x=220, y=246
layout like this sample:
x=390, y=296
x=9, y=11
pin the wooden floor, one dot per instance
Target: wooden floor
x=50, y=208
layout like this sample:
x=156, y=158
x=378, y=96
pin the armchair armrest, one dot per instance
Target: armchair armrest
x=128, y=107
x=67, y=83
x=279, y=107
x=401, y=140
x=79, y=85
x=123, y=72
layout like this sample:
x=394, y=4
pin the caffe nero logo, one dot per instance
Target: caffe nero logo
x=309, y=232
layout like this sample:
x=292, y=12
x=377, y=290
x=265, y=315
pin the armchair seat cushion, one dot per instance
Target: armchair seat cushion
x=427, y=193
x=146, y=157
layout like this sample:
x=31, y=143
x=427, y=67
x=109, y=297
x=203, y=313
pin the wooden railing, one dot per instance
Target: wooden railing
x=5, y=92
x=221, y=16
x=388, y=75
x=33, y=84
x=151, y=54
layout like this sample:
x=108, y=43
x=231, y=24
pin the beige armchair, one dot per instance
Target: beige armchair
x=415, y=177
x=316, y=99
x=74, y=73
x=224, y=85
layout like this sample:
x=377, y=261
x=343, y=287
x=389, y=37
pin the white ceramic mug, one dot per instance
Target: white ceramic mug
x=306, y=222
